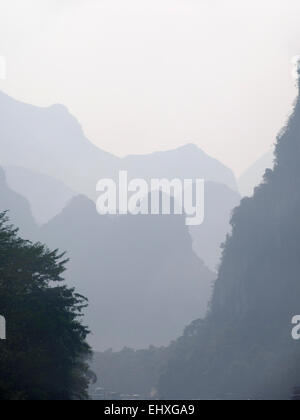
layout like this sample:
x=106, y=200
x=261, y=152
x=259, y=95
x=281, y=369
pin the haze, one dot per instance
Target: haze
x=153, y=75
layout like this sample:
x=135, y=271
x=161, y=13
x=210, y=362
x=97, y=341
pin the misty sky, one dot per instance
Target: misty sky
x=146, y=75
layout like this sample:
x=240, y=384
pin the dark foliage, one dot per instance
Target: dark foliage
x=44, y=356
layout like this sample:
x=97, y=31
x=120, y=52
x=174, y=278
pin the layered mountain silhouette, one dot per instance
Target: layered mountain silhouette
x=140, y=273
x=187, y=162
x=18, y=209
x=48, y=160
x=127, y=266
x=51, y=141
x=244, y=349
x=47, y=196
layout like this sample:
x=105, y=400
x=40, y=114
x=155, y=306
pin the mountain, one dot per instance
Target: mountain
x=140, y=273
x=187, y=162
x=244, y=348
x=51, y=141
x=47, y=196
x=19, y=211
x=48, y=160
x=253, y=176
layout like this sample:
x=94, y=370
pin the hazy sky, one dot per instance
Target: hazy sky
x=145, y=75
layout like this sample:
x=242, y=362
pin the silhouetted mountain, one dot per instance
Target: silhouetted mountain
x=187, y=162
x=47, y=157
x=50, y=141
x=244, y=348
x=140, y=273
x=47, y=196
x=253, y=176
x=18, y=208
x=43, y=145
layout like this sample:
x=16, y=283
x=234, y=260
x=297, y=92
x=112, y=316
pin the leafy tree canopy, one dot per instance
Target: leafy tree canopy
x=45, y=354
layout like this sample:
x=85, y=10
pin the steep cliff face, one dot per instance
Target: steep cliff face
x=244, y=348
x=263, y=249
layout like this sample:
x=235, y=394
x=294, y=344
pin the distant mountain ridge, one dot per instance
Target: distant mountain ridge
x=51, y=141
x=49, y=160
x=188, y=162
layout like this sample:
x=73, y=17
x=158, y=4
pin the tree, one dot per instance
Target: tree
x=45, y=354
